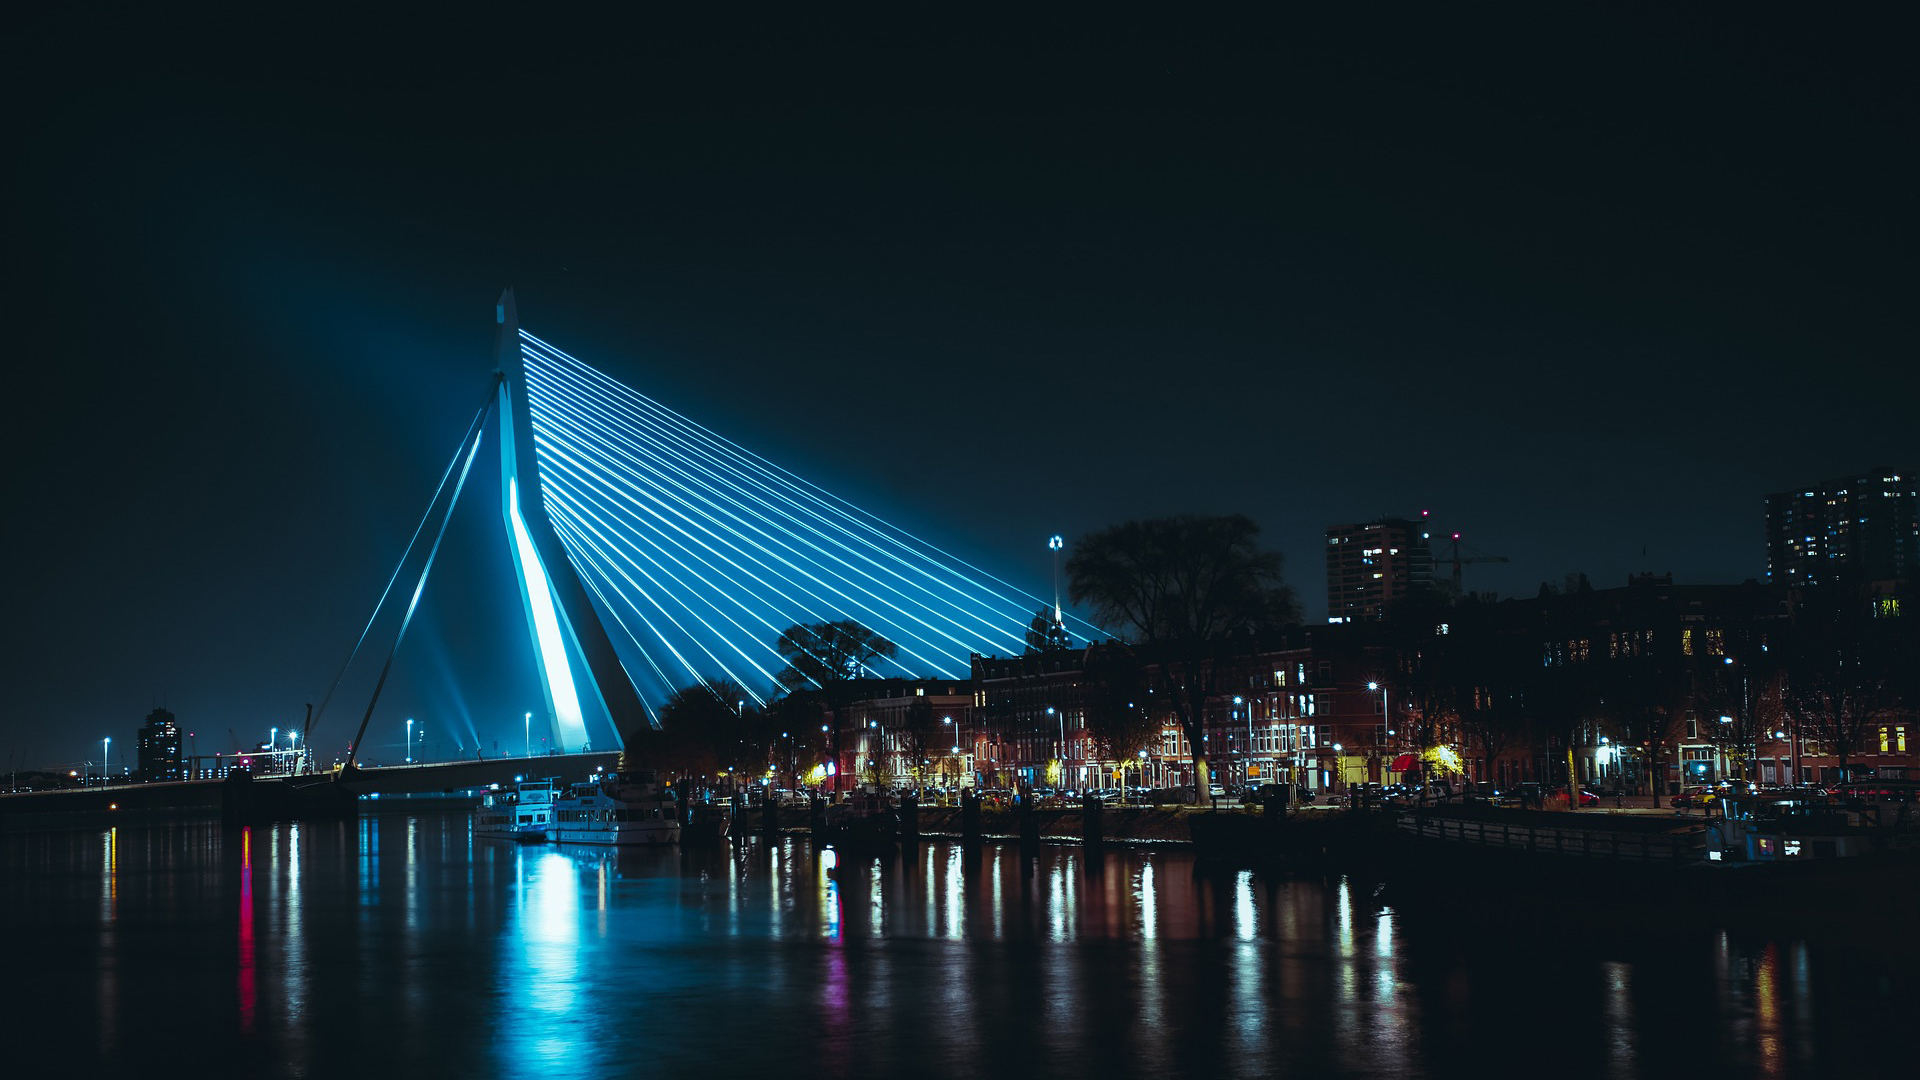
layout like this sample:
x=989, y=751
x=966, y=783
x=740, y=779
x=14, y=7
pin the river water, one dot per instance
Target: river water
x=400, y=945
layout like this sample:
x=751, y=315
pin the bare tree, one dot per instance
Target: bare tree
x=1114, y=694
x=1646, y=701
x=1737, y=699
x=1188, y=592
x=827, y=659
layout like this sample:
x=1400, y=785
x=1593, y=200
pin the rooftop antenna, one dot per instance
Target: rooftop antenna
x=1054, y=544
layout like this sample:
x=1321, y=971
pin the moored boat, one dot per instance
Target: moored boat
x=1777, y=858
x=623, y=809
x=523, y=814
x=706, y=823
x=865, y=820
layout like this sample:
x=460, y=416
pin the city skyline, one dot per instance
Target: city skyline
x=1586, y=293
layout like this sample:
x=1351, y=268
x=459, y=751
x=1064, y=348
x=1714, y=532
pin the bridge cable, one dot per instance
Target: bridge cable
x=413, y=603
x=479, y=418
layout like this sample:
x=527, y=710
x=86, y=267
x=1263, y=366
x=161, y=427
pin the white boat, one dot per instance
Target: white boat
x=618, y=808
x=523, y=814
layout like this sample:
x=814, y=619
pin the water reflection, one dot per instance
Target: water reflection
x=246, y=991
x=938, y=962
x=544, y=960
x=109, y=985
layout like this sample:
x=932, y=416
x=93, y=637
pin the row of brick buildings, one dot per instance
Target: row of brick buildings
x=1328, y=707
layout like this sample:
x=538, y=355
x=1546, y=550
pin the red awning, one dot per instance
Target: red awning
x=1404, y=762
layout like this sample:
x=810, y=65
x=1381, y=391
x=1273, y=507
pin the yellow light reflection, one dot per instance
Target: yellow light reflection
x=1617, y=979
x=1769, y=1047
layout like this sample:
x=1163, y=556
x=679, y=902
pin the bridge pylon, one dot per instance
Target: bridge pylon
x=559, y=611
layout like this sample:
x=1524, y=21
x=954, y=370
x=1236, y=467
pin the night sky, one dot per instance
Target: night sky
x=1585, y=286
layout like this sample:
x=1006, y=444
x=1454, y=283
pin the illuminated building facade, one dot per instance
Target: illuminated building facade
x=159, y=748
x=911, y=733
x=1030, y=721
x=1372, y=565
x=1859, y=528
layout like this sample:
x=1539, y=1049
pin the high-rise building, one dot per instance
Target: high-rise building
x=160, y=748
x=1372, y=565
x=1858, y=528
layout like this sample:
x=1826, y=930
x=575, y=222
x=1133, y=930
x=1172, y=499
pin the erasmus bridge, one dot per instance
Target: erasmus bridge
x=652, y=553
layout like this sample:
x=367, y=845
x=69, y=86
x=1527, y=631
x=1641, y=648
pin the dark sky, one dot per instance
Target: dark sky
x=1582, y=284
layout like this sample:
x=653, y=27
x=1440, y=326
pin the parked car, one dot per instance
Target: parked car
x=1215, y=791
x=1559, y=795
x=1695, y=796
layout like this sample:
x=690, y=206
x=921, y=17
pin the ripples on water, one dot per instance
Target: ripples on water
x=400, y=944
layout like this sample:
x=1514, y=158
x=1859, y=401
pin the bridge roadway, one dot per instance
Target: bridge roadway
x=270, y=798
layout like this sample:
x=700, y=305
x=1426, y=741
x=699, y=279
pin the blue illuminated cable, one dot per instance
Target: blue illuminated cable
x=799, y=501
x=843, y=592
x=559, y=459
x=556, y=417
x=798, y=512
x=841, y=506
x=621, y=500
x=772, y=654
x=592, y=582
x=582, y=562
x=697, y=522
x=588, y=544
x=873, y=588
x=479, y=417
x=578, y=513
x=576, y=505
x=414, y=602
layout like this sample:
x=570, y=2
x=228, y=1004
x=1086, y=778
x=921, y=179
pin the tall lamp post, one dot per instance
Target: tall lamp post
x=1240, y=703
x=1060, y=747
x=954, y=738
x=409, y=740
x=1386, y=724
x=103, y=759
x=529, y=733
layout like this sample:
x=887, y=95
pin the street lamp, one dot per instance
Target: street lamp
x=529, y=749
x=409, y=740
x=1386, y=721
x=1061, y=746
x=103, y=759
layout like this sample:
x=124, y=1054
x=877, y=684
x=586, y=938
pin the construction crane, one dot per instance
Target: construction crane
x=1475, y=556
